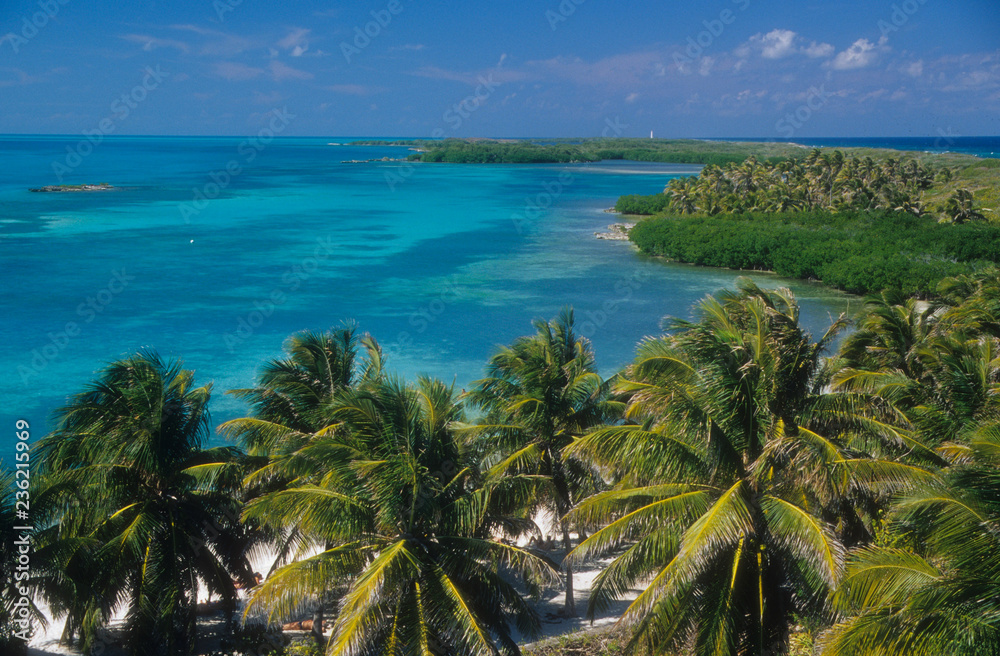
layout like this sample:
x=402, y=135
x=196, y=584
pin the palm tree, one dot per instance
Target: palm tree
x=889, y=334
x=942, y=594
x=411, y=532
x=138, y=515
x=961, y=208
x=541, y=393
x=682, y=196
x=738, y=482
x=931, y=361
x=291, y=411
x=293, y=395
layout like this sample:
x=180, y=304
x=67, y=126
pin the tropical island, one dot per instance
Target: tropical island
x=756, y=494
x=862, y=220
x=744, y=486
x=103, y=186
x=859, y=224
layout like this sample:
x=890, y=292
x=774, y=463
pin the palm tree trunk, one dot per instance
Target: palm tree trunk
x=564, y=502
x=317, y=627
x=570, y=608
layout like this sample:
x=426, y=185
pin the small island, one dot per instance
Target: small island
x=103, y=186
x=616, y=232
x=370, y=161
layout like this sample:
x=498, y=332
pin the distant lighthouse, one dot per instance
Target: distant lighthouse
x=650, y=134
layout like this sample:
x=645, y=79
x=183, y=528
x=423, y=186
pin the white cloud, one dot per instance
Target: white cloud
x=779, y=43
x=861, y=54
x=150, y=43
x=916, y=69
x=472, y=78
x=632, y=97
x=216, y=43
x=873, y=95
x=281, y=72
x=817, y=50
x=239, y=72
x=297, y=38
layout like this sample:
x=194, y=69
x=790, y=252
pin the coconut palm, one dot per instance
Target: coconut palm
x=889, y=334
x=738, y=483
x=541, y=393
x=930, y=360
x=293, y=395
x=410, y=532
x=972, y=302
x=138, y=514
x=960, y=208
x=291, y=408
x=942, y=594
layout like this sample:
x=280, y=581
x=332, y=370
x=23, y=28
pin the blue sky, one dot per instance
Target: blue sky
x=724, y=68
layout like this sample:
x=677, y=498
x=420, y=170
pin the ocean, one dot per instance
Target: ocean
x=215, y=250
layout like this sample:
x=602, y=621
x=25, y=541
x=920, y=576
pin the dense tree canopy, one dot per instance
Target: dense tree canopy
x=753, y=489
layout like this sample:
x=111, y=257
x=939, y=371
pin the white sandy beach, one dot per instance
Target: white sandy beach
x=549, y=608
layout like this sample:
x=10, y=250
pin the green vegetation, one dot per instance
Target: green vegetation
x=860, y=252
x=830, y=182
x=136, y=511
x=856, y=224
x=408, y=520
x=541, y=394
x=638, y=204
x=606, y=642
x=764, y=498
x=726, y=430
x=680, y=151
x=103, y=186
x=457, y=151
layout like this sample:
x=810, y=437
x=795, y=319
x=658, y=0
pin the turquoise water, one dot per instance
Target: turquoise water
x=441, y=263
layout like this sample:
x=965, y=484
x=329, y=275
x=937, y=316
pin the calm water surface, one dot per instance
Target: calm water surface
x=441, y=263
